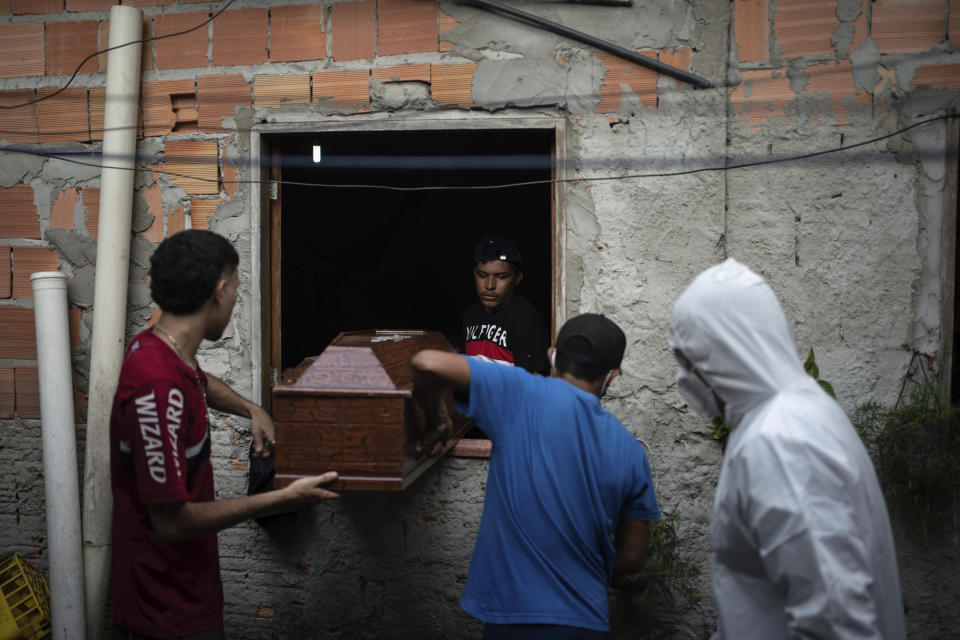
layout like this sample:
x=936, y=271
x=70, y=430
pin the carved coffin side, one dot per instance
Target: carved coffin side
x=351, y=410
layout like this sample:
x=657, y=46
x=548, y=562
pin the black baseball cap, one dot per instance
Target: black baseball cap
x=592, y=339
x=496, y=248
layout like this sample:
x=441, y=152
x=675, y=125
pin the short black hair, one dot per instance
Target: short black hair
x=588, y=372
x=185, y=268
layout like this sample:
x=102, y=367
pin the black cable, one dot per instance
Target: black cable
x=119, y=46
x=668, y=174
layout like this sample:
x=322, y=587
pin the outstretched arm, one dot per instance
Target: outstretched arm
x=222, y=397
x=179, y=521
x=433, y=372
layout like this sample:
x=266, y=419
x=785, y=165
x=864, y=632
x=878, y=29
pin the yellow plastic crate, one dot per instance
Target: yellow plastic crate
x=24, y=601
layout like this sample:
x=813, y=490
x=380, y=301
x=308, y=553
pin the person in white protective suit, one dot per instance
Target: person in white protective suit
x=802, y=546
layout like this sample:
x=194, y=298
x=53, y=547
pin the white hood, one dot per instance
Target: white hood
x=729, y=324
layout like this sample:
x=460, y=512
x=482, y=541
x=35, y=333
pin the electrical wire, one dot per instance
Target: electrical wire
x=510, y=185
x=119, y=46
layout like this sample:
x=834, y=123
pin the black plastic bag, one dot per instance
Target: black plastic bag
x=260, y=480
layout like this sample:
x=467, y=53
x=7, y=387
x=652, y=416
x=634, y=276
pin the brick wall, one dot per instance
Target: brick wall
x=366, y=31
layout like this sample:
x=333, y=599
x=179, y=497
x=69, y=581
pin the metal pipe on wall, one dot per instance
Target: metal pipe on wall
x=110, y=300
x=593, y=41
x=61, y=482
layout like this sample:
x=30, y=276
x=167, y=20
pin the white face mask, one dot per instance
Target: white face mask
x=697, y=394
x=606, y=383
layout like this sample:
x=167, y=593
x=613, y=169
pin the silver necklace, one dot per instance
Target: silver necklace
x=195, y=367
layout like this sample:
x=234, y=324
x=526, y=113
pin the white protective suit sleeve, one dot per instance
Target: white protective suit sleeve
x=796, y=507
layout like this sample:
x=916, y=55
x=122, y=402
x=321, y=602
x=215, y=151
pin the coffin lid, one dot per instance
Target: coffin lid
x=367, y=363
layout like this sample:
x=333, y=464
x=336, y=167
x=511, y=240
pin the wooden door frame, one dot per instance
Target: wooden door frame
x=948, y=259
x=265, y=212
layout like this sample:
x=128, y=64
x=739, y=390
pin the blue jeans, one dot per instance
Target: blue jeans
x=540, y=632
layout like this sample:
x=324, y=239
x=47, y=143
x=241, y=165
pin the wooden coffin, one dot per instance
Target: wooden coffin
x=351, y=410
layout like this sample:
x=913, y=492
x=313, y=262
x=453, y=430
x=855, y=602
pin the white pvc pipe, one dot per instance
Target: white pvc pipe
x=60, y=479
x=109, y=301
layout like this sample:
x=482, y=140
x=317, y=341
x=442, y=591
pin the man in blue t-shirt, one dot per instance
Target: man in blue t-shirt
x=569, y=493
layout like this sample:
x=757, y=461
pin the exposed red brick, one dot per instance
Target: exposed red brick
x=91, y=201
x=445, y=22
x=7, y=392
x=677, y=58
x=155, y=233
x=18, y=126
x=943, y=76
x=81, y=6
x=276, y=91
x=175, y=222
x=34, y=7
x=153, y=196
x=218, y=96
x=762, y=94
x=19, y=338
x=193, y=165
x=860, y=29
x=4, y=7
x=201, y=211
x=641, y=80
x=185, y=112
x=63, y=116
x=834, y=80
x=19, y=219
x=26, y=382
x=907, y=26
x=751, y=28
x=346, y=88
x=6, y=272
x=184, y=51
x=68, y=43
x=230, y=176
x=74, y=322
x=352, y=31
x=61, y=216
x=240, y=37
x=21, y=50
x=452, y=84
x=97, y=98
x=296, y=33
x=27, y=260
x=406, y=26
x=953, y=26
x=158, y=116
x=146, y=48
x=403, y=73
x=804, y=27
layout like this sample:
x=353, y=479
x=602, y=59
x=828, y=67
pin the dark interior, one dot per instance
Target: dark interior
x=365, y=258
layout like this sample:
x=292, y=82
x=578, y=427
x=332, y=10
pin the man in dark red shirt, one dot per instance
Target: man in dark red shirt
x=503, y=326
x=166, y=570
